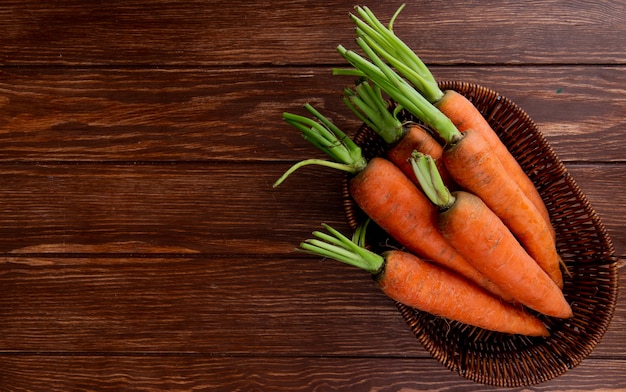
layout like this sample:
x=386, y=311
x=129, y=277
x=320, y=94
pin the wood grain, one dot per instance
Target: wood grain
x=52, y=114
x=288, y=306
x=215, y=208
x=142, y=246
x=211, y=208
x=190, y=372
x=220, y=33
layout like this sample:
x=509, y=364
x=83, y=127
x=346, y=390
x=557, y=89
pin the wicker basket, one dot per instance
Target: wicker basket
x=583, y=243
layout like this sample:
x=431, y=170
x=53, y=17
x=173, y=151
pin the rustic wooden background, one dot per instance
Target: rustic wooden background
x=142, y=246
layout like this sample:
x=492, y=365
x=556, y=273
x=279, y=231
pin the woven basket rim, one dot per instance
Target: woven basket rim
x=516, y=361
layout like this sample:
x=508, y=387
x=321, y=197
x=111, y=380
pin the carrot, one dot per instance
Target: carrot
x=455, y=106
x=460, y=158
x=477, y=169
x=475, y=231
x=367, y=102
x=391, y=200
x=386, y=195
x=418, y=284
x=465, y=116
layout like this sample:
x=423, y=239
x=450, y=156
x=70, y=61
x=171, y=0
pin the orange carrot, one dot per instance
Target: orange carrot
x=464, y=116
x=516, y=210
x=417, y=138
x=476, y=232
x=455, y=106
x=388, y=197
x=367, y=102
x=391, y=200
x=418, y=284
x=476, y=168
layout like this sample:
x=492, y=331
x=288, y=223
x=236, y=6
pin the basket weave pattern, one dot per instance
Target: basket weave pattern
x=582, y=241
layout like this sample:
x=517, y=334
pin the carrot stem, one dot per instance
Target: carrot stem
x=400, y=90
x=339, y=247
x=348, y=72
x=367, y=102
x=430, y=180
x=327, y=137
x=359, y=233
x=320, y=162
x=388, y=45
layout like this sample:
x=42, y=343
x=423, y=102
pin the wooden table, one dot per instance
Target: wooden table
x=142, y=245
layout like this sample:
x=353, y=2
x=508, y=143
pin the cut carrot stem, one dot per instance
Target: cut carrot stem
x=418, y=284
x=379, y=73
x=327, y=137
x=391, y=200
x=367, y=102
x=476, y=232
x=383, y=41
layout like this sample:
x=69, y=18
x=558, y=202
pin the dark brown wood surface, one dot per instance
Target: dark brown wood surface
x=142, y=246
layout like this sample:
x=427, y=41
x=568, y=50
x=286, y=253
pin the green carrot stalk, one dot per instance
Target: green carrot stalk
x=384, y=41
x=341, y=248
x=427, y=173
x=368, y=104
x=327, y=137
x=399, y=90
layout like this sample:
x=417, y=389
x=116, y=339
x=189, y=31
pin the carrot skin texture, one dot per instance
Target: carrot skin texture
x=391, y=200
x=421, y=285
x=417, y=138
x=484, y=240
x=475, y=168
x=464, y=116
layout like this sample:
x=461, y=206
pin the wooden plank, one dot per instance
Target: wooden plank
x=160, y=115
x=209, y=305
x=50, y=114
x=602, y=188
x=203, y=33
x=211, y=208
x=574, y=108
x=177, y=208
x=186, y=373
x=141, y=244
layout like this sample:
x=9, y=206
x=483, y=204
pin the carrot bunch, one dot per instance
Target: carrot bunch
x=383, y=41
x=386, y=195
x=478, y=245
x=469, y=157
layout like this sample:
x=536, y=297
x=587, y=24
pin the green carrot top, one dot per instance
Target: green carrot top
x=367, y=102
x=326, y=136
x=339, y=247
x=398, y=89
x=430, y=180
x=388, y=45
